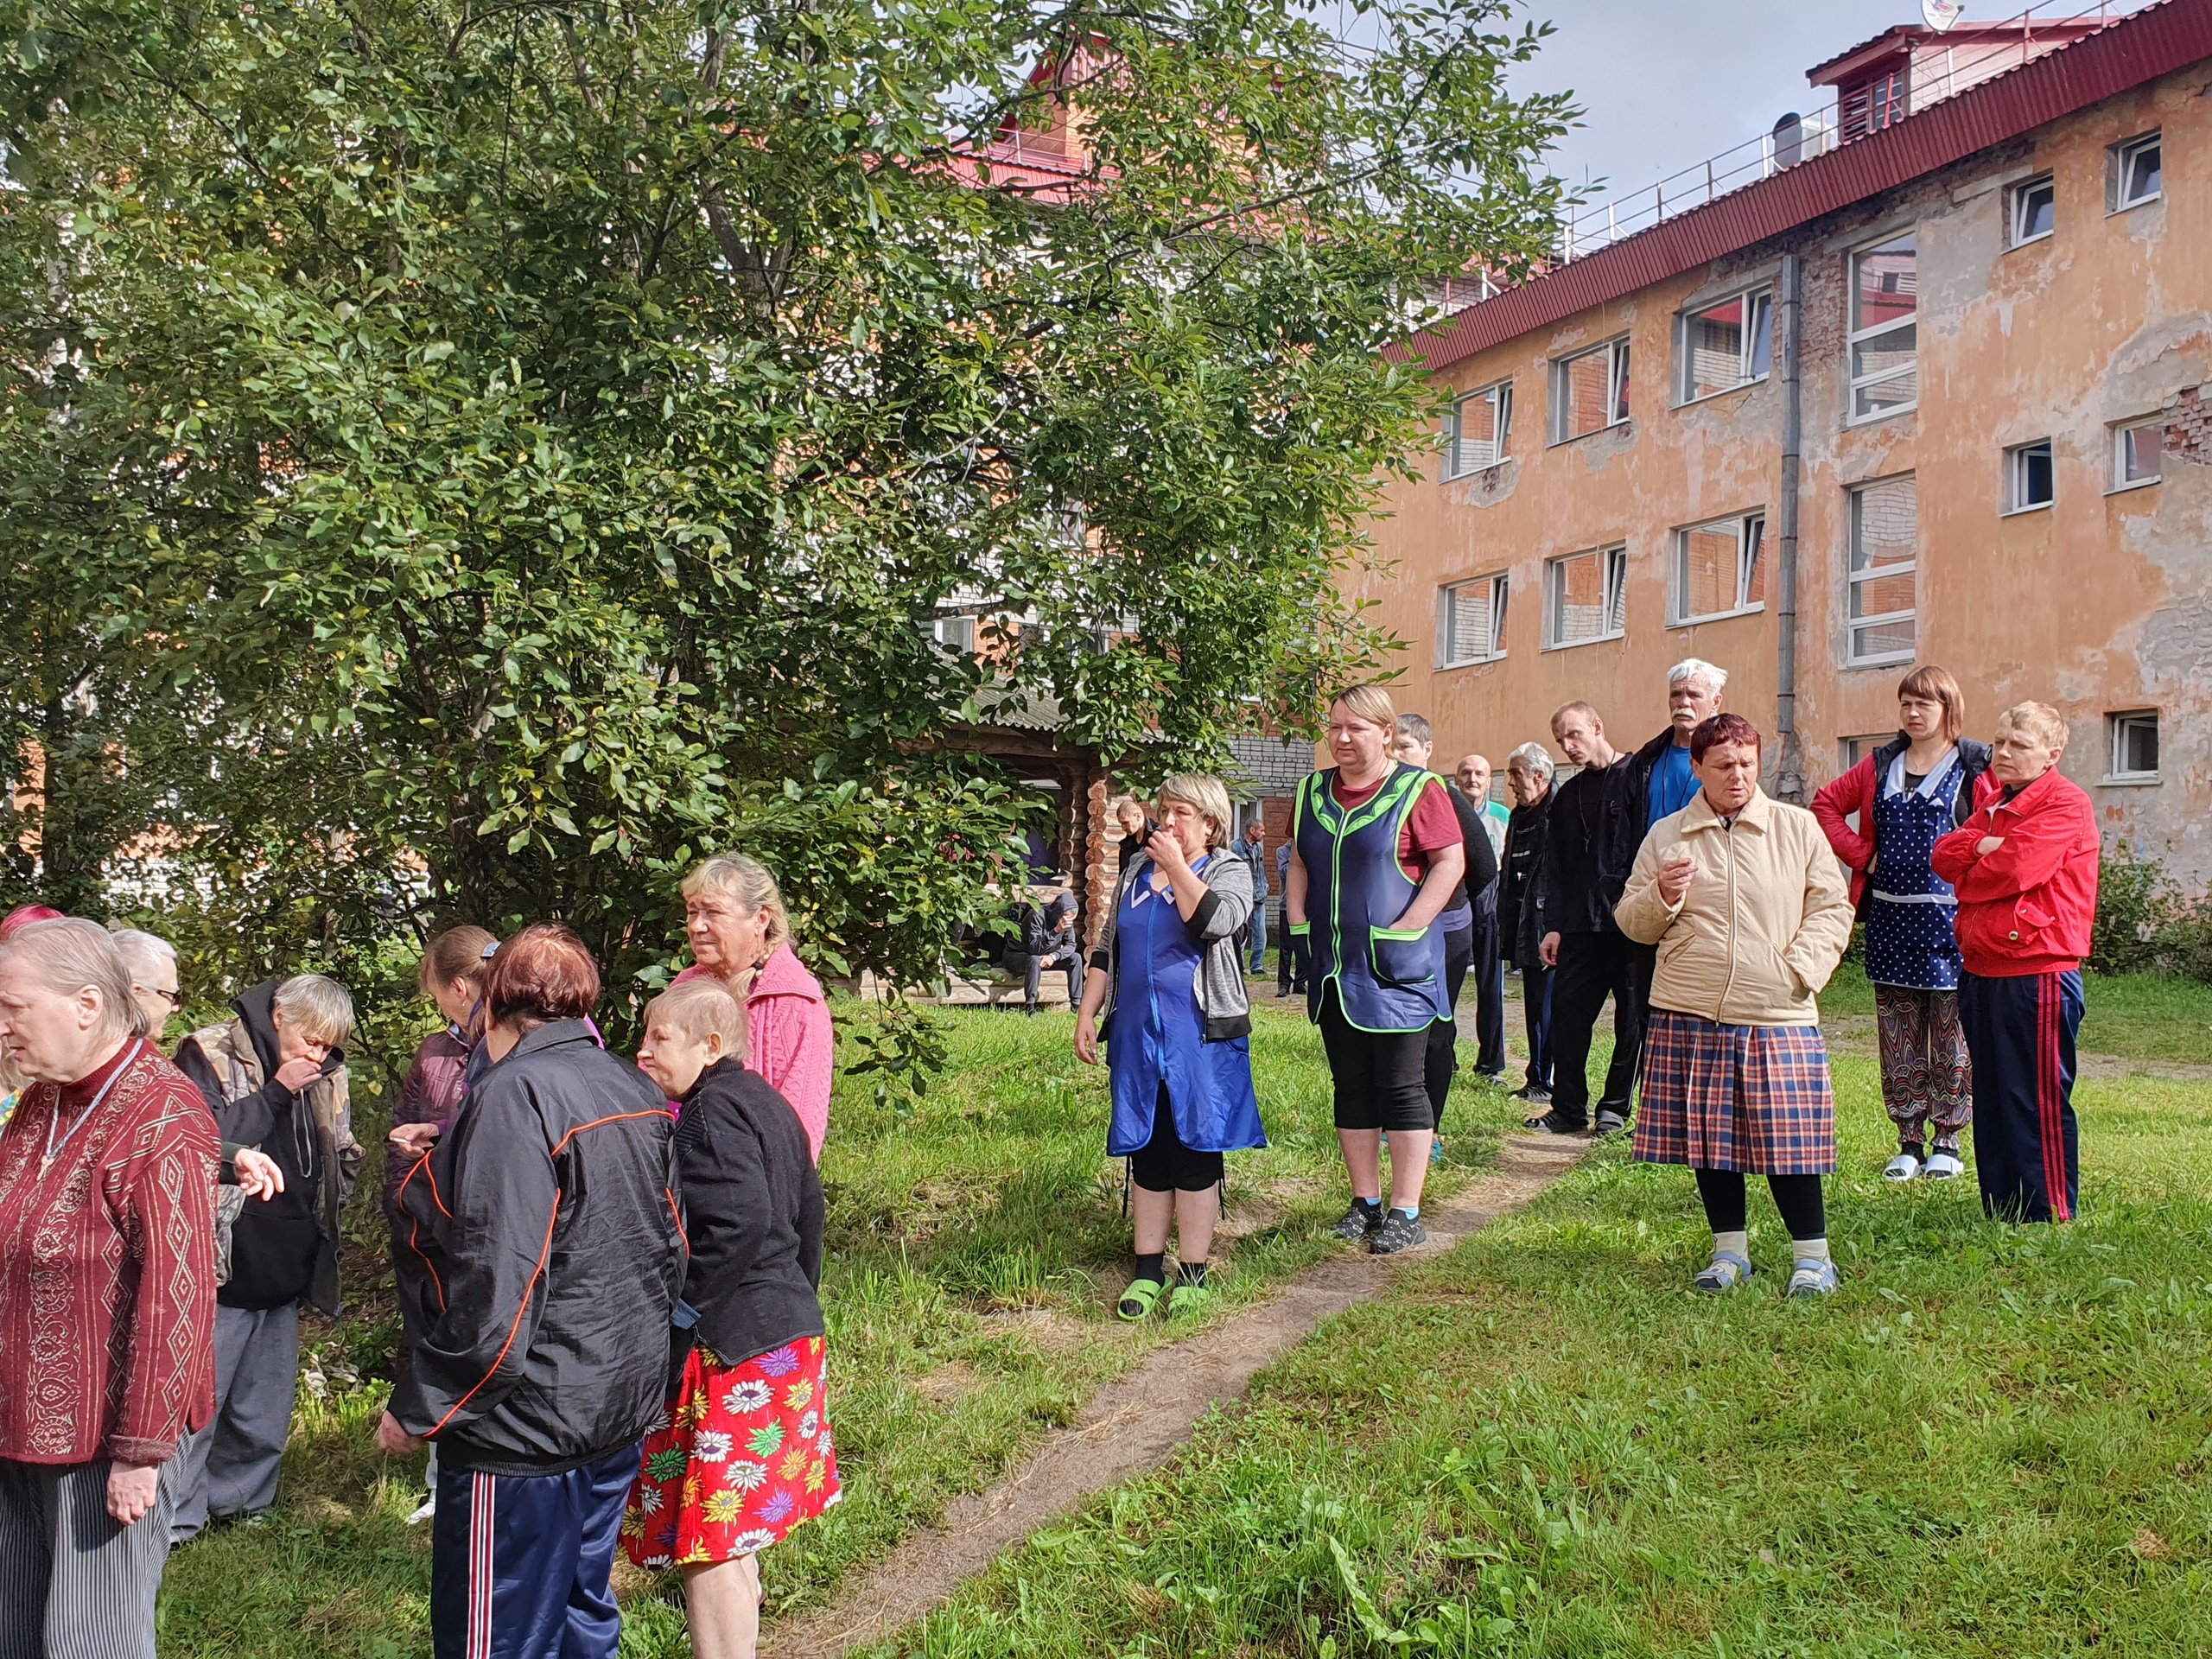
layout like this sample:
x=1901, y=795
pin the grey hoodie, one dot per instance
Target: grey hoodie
x=1222, y=997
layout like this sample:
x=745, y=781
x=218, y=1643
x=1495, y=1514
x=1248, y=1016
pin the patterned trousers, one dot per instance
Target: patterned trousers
x=1927, y=1079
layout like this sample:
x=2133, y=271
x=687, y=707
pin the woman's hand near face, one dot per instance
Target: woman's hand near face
x=1167, y=852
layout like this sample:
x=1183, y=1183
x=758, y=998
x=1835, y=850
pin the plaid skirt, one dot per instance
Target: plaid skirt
x=1754, y=1098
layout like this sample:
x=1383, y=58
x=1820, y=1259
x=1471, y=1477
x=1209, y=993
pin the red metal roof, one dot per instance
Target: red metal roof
x=2140, y=48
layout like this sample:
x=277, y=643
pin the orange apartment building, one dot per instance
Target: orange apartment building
x=1929, y=390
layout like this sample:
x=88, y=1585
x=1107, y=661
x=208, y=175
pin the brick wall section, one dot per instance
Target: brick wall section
x=2188, y=429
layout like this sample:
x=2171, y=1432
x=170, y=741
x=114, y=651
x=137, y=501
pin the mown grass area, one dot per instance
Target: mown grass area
x=1992, y=1441
x=976, y=1247
x=2135, y=1016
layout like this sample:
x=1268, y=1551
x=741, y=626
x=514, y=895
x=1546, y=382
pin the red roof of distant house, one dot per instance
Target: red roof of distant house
x=2140, y=48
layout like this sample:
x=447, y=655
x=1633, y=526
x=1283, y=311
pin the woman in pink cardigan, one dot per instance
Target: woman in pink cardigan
x=734, y=916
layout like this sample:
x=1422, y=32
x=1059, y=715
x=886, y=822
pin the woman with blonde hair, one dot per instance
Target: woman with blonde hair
x=739, y=933
x=1377, y=855
x=1170, y=987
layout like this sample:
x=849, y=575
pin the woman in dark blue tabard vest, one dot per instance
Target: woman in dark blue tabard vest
x=1377, y=980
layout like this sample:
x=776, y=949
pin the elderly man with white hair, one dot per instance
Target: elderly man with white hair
x=107, y=1297
x=1664, y=783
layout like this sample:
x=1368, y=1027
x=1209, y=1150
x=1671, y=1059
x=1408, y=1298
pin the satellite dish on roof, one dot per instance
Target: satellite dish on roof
x=1941, y=14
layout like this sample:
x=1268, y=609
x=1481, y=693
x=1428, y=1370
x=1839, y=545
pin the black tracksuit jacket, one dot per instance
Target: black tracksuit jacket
x=545, y=1248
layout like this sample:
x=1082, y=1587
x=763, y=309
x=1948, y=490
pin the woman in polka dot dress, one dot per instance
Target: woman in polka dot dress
x=746, y=1453
x=1906, y=795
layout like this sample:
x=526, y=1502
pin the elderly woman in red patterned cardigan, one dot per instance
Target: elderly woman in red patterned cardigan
x=107, y=1297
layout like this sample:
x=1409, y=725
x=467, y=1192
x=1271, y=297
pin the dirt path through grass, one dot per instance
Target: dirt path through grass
x=1135, y=1424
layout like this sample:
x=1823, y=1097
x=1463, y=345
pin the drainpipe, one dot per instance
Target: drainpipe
x=1789, y=761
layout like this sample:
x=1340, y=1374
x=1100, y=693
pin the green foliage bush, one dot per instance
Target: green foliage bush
x=2146, y=922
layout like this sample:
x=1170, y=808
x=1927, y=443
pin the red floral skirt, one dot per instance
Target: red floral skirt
x=746, y=1457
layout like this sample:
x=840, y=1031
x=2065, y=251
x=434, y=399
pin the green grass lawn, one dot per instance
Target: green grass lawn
x=1991, y=1441
x=976, y=1247
x=2137, y=1016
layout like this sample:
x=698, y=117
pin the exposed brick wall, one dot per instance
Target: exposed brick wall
x=2188, y=429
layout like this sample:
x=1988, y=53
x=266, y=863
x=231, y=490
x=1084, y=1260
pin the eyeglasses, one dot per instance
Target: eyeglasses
x=175, y=999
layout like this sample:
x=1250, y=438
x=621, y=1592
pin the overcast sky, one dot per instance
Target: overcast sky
x=1664, y=84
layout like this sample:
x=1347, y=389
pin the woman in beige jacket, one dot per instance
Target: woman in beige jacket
x=1750, y=912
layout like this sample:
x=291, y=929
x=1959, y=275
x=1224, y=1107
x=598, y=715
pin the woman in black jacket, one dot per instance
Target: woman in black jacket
x=545, y=1254
x=746, y=1454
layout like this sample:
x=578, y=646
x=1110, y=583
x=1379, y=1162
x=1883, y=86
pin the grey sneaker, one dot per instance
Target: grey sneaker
x=1534, y=1094
x=1609, y=1123
x=1361, y=1221
x=1399, y=1231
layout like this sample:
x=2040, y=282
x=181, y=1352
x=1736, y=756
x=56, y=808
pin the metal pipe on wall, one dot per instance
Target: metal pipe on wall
x=1789, y=757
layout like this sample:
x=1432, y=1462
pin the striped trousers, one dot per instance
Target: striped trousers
x=520, y=1564
x=73, y=1584
x=2027, y=1148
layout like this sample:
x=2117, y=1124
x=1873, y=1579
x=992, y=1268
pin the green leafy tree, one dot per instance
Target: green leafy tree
x=509, y=446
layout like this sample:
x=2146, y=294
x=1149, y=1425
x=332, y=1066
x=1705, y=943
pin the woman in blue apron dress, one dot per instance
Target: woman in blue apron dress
x=1912, y=958
x=1178, y=1036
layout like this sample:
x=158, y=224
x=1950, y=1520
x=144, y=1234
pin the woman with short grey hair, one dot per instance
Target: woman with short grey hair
x=1170, y=986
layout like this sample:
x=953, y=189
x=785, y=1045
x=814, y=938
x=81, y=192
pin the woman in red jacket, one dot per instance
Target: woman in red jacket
x=1905, y=796
x=2025, y=866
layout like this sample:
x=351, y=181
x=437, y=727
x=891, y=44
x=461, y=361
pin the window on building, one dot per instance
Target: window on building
x=1724, y=345
x=1885, y=342
x=1873, y=104
x=1856, y=749
x=2134, y=172
x=1590, y=390
x=1476, y=429
x=1884, y=542
x=956, y=633
x=1719, y=570
x=2034, y=210
x=2030, y=481
x=2134, y=746
x=1587, y=597
x=2138, y=453
x=1470, y=622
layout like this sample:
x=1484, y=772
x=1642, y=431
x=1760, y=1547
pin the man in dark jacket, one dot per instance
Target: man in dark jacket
x=548, y=1260
x=274, y=1077
x=1521, y=907
x=1595, y=828
x=1414, y=746
x=1045, y=938
x=1661, y=781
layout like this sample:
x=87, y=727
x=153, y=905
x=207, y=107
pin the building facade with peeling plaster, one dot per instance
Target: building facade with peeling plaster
x=1927, y=304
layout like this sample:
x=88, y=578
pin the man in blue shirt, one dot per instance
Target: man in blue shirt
x=1694, y=691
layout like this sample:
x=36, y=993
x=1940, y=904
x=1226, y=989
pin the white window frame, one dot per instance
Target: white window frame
x=2016, y=477
x=1496, y=597
x=2116, y=730
x=2016, y=210
x=1613, y=567
x=2121, y=431
x=2123, y=157
x=945, y=631
x=1750, y=545
x=1762, y=298
x=1618, y=366
x=1455, y=460
x=1854, y=577
x=1856, y=749
x=1855, y=337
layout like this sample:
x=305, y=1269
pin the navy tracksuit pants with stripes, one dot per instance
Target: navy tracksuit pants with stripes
x=2027, y=1149
x=520, y=1564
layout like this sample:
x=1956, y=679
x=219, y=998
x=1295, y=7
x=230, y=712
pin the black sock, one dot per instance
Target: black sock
x=1916, y=1149
x=1153, y=1266
x=1191, y=1273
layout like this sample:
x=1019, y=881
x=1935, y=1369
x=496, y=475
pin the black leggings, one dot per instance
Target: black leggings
x=1798, y=1197
x=1164, y=1164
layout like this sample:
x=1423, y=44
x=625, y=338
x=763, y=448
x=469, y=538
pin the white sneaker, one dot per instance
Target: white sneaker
x=1904, y=1167
x=425, y=1511
x=1945, y=1166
